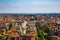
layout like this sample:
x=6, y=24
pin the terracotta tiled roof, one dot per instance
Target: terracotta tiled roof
x=27, y=35
x=55, y=36
x=14, y=35
x=8, y=19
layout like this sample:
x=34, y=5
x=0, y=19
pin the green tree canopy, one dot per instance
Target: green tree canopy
x=44, y=32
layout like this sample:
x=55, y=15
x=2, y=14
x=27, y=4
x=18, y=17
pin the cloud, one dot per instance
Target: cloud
x=34, y=3
x=30, y=7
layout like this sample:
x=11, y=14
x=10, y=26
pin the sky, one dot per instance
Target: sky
x=29, y=6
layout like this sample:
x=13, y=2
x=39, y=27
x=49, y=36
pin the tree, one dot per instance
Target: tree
x=47, y=31
x=0, y=36
x=10, y=25
x=39, y=32
x=44, y=32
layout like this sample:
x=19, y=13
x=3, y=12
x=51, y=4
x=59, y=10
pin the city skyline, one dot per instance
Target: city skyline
x=29, y=6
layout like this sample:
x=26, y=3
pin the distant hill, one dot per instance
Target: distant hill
x=29, y=14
